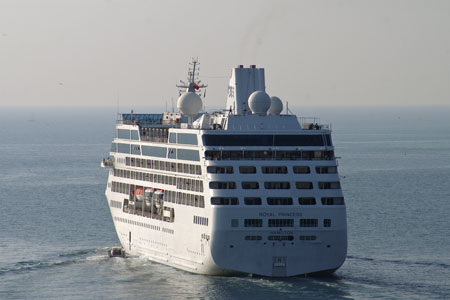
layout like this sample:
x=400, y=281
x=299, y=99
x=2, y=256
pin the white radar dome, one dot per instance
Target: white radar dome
x=276, y=106
x=189, y=103
x=259, y=102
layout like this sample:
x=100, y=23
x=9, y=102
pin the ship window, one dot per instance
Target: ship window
x=308, y=155
x=326, y=222
x=308, y=222
x=173, y=138
x=302, y=185
x=186, y=154
x=172, y=153
x=301, y=170
x=247, y=170
x=232, y=155
x=288, y=155
x=279, y=201
x=154, y=151
x=220, y=170
x=191, y=169
x=326, y=170
x=224, y=201
x=172, y=167
x=307, y=201
x=212, y=155
x=328, y=139
x=298, y=140
x=123, y=148
x=113, y=147
x=116, y=204
x=308, y=237
x=250, y=185
x=281, y=223
x=253, y=237
x=135, y=135
x=274, y=170
x=136, y=150
x=187, y=139
x=123, y=134
x=237, y=140
x=252, y=201
x=258, y=155
x=269, y=155
x=253, y=222
x=201, y=220
x=277, y=185
x=329, y=185
x=332, y=201
x=222, y=185
x=328, y=155
x=263, y=140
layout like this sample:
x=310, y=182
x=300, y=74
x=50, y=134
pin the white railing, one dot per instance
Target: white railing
x=312, y=123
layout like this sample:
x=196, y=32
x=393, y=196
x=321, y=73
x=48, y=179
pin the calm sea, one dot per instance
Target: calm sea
x=56, y=227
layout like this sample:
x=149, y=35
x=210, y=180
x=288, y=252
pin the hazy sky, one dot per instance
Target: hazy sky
x=92, y=52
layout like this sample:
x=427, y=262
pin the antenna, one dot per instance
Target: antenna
x=193, y=83
x=118, y=101
x=172, y=105
x=287, y=108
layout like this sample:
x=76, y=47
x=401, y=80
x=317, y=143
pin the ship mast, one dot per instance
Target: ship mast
x=193, y=84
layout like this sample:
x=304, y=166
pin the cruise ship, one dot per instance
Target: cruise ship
x=244, y=190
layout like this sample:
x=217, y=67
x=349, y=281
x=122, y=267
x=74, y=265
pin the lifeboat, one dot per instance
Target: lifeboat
x=159, y=196
x=139, y=192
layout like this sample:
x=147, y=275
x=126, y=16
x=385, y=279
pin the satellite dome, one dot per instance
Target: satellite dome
x=259, y=102
x=189, y=103
x=276, y=106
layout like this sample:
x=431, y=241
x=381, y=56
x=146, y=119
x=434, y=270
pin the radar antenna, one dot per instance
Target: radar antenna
x=193, y=84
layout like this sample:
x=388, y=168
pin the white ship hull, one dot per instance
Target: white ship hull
x=226, y=252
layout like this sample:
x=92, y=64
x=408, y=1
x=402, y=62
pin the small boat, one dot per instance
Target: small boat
x=116, y=252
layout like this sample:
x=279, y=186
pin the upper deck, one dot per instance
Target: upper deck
x=251, y=120
x=220, y=129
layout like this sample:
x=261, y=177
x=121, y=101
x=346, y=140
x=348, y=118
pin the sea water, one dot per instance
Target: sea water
x=56, y=227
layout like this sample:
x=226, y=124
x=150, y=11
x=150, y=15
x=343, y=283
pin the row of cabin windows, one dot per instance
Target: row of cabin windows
x=127, y=134
x=277, y=201
x=184, y=198
x=181, y=183
x=273, y=185
x=271, y=169
x=183, y=138
x=200, y=220
x=280, y=237
x=115, y=204
x=120, y=187
x=267, y=140
x=286, y=223
x=169, y=196
x=163, y=165
x=154, y=151
x=158, y=135
x=268, y=155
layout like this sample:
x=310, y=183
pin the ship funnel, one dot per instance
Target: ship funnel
x=243, y=82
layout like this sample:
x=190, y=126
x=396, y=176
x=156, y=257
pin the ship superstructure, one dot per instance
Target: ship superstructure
x=244, y=190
